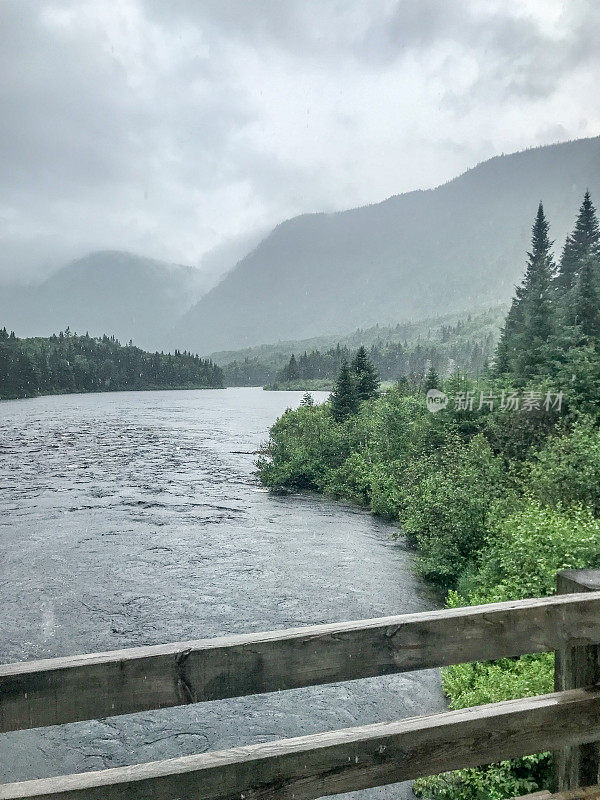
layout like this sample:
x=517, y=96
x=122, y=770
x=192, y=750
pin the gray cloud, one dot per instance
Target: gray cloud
x=170, y=128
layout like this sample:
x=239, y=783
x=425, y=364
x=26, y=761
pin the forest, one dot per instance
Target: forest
x=66, y=363
x=497, y=489
x=401, y=351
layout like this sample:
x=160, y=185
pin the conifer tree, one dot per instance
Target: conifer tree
x=367, y=381
x=432, y=380
x=530, y=321
x=582, y=243
x=344, y=398
x=538, y=310
x=585, y=305
x=507, y=349
x=293, y=373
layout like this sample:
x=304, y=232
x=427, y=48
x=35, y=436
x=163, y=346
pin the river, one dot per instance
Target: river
x=135, y=518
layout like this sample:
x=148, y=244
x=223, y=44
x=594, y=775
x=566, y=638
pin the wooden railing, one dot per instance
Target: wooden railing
x=56, y=691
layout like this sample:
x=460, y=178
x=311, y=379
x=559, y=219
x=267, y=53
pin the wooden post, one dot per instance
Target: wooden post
x=577, y=667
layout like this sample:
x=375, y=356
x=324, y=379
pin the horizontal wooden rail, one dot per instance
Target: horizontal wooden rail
x=61, y=690
x=345, y=760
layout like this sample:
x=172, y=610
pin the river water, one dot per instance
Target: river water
x=135, y=518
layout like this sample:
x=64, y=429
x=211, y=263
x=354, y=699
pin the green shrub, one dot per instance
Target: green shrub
x=445, y=511
x=522, y=556
x=567, y=471
x=352, y=480
x=494, y=782
x=492, y=682
x=304, y=444
x=386, y=488
x=527, y=549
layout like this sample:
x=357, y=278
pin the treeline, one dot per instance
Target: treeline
x=455, y=347
x=498, y=489
x=394, y=360
x=67, y=363
x=248, y=372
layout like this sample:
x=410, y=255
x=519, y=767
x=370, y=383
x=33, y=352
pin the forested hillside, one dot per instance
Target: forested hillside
x=70, y=363
x=457, y=342
x=453, y=248
x=495, y=482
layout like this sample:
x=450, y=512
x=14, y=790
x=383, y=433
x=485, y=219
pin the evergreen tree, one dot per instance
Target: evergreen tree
x=292, y=371
x=582, y=243
x=585, y=307
x=432, y=380
x=367, y=381
x=530, y=321
x=538, y=316
x=307, y=400
x=344, y=399
x=508, y=344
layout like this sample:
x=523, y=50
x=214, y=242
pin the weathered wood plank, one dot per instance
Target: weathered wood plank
x=345, y=760
x=574, y=667
x=61, y=690
x=584, y=793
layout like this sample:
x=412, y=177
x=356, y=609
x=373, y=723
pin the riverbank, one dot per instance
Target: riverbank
x=110, y=390
x=137, y=518
x=495, y=502
x=301, y=385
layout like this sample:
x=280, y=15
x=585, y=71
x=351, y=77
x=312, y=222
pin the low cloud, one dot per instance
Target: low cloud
x=171, y=128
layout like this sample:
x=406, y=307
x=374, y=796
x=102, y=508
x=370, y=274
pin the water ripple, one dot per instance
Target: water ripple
x=135, y=518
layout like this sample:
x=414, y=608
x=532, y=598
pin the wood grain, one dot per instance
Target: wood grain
x=61, y=690
x=585, y=793
x=345, y=760
x=576, y=666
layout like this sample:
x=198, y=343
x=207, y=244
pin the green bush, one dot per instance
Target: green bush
x=567, y=471
x=352, y=480
x=526, y=550
x=445, y=511
x=386, y=488
x=494, y=782
x=303, y=445
x=523, y=554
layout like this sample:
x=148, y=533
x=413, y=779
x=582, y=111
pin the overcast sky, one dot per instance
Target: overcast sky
x=171, y=127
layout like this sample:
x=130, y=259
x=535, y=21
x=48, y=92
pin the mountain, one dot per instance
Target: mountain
x=454, y=248
x=112, y=292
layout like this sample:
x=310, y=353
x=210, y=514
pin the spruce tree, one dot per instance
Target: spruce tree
x=432, y=380
x=344, y=398
x=367, y=381
x=585, y=307
x=307, y=400
x=537, y=302
x=530, y=321
x=292, y=371
x=508, y=344
x=582, y=243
